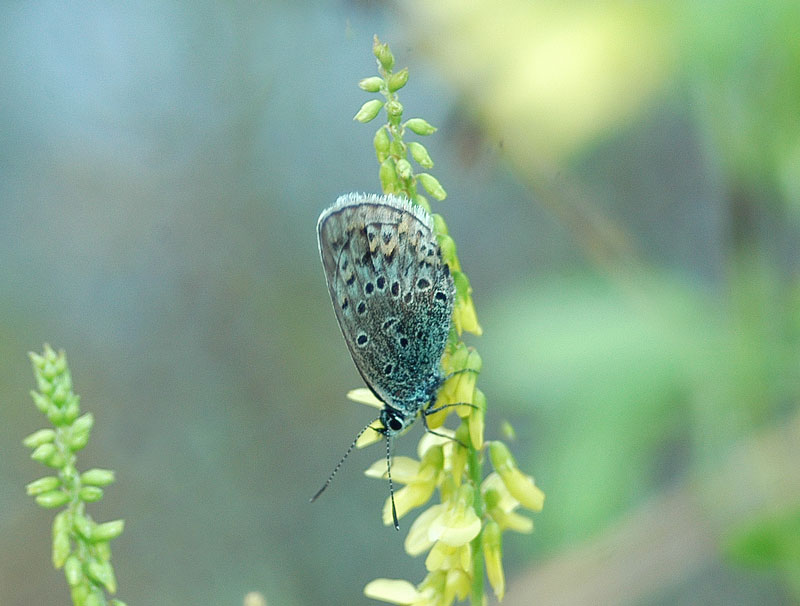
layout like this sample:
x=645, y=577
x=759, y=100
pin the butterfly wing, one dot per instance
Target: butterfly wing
x=392, y=293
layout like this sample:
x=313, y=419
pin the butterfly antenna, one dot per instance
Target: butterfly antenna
x=339, y=464
x=391, y=487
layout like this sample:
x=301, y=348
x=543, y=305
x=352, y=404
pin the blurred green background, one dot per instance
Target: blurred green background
x=624, y=187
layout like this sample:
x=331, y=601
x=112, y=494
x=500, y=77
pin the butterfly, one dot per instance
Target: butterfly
x=393, y=297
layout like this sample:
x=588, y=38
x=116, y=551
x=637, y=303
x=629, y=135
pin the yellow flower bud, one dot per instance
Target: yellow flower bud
x=493, y=556
x=457, y=585
x=476, y=419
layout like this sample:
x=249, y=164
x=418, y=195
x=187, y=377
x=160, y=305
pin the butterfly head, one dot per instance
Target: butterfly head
x=395, y=421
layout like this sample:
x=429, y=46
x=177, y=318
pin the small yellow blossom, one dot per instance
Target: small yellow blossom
x=420, y=478
x=477, y=420
x=464, y=316
x=362, y=395
x=430, y=440
x=445, y=557
x=394, y=591
x=520, y=486
x=501, y=505
x=493, y=556
x=453, y=522
x=457, y=585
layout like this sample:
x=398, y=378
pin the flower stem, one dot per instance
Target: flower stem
x=475, y=475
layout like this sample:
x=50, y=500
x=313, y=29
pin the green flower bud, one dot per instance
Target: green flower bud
x=56, y=416
x=36, y=360
x=44, y=452
x=382, y=54
x=95, y=598
x=394, y=109
x=72, y=409
x=420, y=154
x=37, y=438
x=52, y=499
x=103, y=550
x=398, y=80
x=60, y=393
x=84, y=422
x=403, y=168
x=73, y=571
x=60, y=365
x=62, y=523
x=49, y=371
x=41, y=402
x=102, y=573
x=397, y=149
x=108, y=530
x=448, y=247
x=90, y=494
x=388, y=177
x=42, y=485
x=423, y=202
x=61, y=546
x=43, y=385
x=420, y=126
x=381, y=142
x=372, y=84
x=78, y=439
x=432, y=186
x=83, y=526
x=97, y=477
x=461, y=282
x=507, y=429
x=80, y=593
x=368, y=111
x=439, y=226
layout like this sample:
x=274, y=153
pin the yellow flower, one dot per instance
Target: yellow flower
x=420, y=478
x=464, y=316
x=493, y=556
x=477, y=419
x=445, y=557
x=453, y=522
x=394, y=591
x=500, y=505
x=520, y=486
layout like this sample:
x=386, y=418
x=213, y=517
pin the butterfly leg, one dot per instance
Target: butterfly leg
x=425, y=414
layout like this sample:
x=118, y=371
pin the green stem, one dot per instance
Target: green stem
x=475, y=474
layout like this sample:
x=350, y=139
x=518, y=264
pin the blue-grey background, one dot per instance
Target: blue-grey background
x=623, y=186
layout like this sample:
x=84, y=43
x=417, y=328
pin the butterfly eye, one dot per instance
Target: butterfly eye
x=395, y=425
